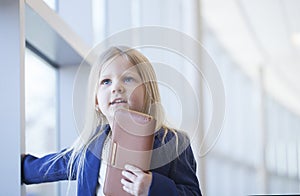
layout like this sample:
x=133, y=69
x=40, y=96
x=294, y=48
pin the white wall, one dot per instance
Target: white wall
x=12, y=94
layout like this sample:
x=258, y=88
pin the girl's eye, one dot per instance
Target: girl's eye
x=129, y=79
x=105, y=82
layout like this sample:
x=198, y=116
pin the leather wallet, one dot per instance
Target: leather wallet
x=132, y=143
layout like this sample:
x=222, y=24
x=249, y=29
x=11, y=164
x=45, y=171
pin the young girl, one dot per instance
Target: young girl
x=122, y=77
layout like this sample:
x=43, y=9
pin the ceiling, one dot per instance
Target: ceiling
x=261, y=34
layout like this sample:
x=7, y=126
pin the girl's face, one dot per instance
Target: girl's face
x=120, y=86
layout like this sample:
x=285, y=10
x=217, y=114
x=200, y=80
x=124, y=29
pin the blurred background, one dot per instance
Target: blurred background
x=255, y=45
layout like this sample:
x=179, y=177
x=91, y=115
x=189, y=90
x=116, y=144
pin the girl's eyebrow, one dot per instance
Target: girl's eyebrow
x=126, y=72
x=104, y=76
x=130, y=72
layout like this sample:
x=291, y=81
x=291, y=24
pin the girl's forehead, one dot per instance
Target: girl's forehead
x=118, y=65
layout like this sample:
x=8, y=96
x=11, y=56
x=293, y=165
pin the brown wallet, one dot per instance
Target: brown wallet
x=132, y=143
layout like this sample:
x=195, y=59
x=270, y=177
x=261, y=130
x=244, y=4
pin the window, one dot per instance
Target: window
x=40, y=114
x=52, y=4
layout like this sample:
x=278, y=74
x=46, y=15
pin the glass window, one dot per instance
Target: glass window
x=51, y=3
x=40, y=114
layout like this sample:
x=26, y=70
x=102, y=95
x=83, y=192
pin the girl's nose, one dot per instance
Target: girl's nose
x=118, y=88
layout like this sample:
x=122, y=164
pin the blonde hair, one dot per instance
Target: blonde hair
x=95, y=121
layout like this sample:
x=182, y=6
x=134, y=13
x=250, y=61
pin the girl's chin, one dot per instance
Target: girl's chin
x=120, y=106
x=114, y=109
x=117, y=107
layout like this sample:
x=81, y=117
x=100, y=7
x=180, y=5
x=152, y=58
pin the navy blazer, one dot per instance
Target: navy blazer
x=178, y=177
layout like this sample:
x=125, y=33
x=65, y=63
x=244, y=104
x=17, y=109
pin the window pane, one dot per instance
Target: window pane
x=40, y=112
x=51, y=4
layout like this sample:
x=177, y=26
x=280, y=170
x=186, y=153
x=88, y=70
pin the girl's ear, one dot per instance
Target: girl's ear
x=96, y=104
x=96, y=101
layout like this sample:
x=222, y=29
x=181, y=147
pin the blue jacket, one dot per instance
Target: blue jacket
x=177, y=177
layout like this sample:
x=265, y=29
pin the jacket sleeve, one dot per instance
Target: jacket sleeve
x=38, y=170
x=181, y=179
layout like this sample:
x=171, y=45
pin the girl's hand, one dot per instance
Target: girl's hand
x=140, y=181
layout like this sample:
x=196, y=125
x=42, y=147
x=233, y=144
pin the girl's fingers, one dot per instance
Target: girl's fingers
x=128, y=186
x=136, y=181
x=126, y=183
x=128, y=190
x=133, y=169
x=130, y=176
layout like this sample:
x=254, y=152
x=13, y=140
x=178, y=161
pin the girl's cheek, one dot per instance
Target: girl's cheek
x=137, y=98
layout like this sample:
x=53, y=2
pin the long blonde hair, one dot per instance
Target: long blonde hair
x=95, y=121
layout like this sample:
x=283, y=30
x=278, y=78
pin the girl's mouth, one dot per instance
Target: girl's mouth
x=117, y=101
